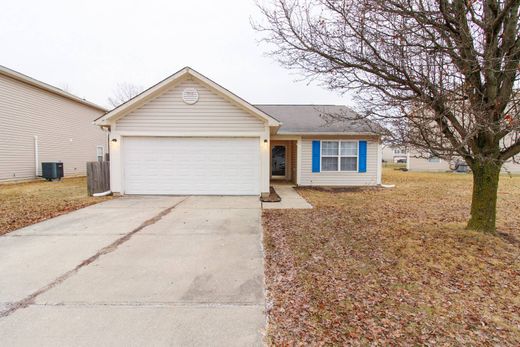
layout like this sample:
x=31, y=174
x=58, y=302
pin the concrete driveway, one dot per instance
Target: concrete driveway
x=137, y=271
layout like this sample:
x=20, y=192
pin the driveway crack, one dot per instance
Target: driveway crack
x=28, y=300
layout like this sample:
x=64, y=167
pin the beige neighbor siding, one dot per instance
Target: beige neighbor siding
x=422, y=164
x=512, y=167
x=64, y=129
x=339, y=178
x=212, y=113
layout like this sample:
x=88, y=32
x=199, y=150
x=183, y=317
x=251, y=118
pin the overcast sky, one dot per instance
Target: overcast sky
x=88, y=47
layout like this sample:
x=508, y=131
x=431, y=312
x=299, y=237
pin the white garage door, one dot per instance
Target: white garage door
x=204, y=166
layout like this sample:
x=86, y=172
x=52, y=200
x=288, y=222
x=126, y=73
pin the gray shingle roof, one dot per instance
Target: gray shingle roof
x=312, y=119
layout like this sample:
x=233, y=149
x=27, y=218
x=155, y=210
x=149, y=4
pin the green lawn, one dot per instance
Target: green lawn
x=22, y=204
x=394, y=266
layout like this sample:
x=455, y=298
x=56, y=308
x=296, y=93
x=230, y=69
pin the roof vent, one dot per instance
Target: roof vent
x=190, y=96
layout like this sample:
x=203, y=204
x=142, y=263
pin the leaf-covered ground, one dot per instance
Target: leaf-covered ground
x=394, y=267
x=22, y=204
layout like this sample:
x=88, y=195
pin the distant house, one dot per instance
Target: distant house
x=41, y=123
x=392, y=154
x=435, y=164
x=431, y=164
x=420, y=160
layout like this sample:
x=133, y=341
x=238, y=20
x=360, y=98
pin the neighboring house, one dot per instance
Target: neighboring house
x=393, y=154
x=512, y=167
x=189, y=135
x=434, y=164
x=420, y=161
x=42, y=123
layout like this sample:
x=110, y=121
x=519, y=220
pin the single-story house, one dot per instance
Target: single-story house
x=41, y=123
x=189, y=135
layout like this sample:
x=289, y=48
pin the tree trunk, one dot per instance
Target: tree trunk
x=484, y=200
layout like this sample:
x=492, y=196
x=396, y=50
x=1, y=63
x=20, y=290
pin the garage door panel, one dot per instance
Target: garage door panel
x=223, y=166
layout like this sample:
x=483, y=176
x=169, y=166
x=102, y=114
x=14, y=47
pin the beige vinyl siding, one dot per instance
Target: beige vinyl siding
x=64, y=129
x=422, y=164
x=339, y=178
x=212, y=113
x=512, y=167
x=388, y=154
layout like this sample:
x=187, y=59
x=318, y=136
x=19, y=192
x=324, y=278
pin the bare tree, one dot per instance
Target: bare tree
x=442, y=72
x=124, y=92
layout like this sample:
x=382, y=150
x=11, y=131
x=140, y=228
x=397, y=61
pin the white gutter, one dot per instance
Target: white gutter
x=36, y=156
x=317, y=133
x=34, y=82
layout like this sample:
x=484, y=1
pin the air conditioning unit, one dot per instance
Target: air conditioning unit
x=52, y=171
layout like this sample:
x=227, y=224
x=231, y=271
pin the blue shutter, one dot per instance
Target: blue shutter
x=362, y=156
x=315, y=156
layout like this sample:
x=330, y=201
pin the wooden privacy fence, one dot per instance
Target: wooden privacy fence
x=98, y=177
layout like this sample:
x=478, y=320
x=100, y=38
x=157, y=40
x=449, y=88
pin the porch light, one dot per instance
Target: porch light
x=114, y=140
x=265, y=140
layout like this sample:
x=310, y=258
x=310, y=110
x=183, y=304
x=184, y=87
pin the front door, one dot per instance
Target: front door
x=278, y=164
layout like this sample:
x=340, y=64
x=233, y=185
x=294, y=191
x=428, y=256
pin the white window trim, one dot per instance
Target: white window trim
x=102, y=152
x=339, y=156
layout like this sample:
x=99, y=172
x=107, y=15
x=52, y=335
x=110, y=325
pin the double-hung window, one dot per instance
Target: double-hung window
x=339, y=156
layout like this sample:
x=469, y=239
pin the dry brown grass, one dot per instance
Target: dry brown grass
x=22, y=204
x=394, y=267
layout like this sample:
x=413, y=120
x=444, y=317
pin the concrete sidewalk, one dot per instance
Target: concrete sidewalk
x=290, y=199
x=137, y=271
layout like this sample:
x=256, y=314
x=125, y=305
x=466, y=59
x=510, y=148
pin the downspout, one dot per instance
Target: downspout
x=108, y=143
x=107, y=129
x=36, y=156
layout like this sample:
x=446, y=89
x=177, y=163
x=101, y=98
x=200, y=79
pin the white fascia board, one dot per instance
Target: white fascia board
x=138, y=100
x=47, y=87
x=270, y=120
x=190, y=134
x=169, y=82
x=317, y=133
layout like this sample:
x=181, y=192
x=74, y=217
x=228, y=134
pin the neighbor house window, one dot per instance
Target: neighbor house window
x=339, y=155
x=434, y=159
x=100, y=151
